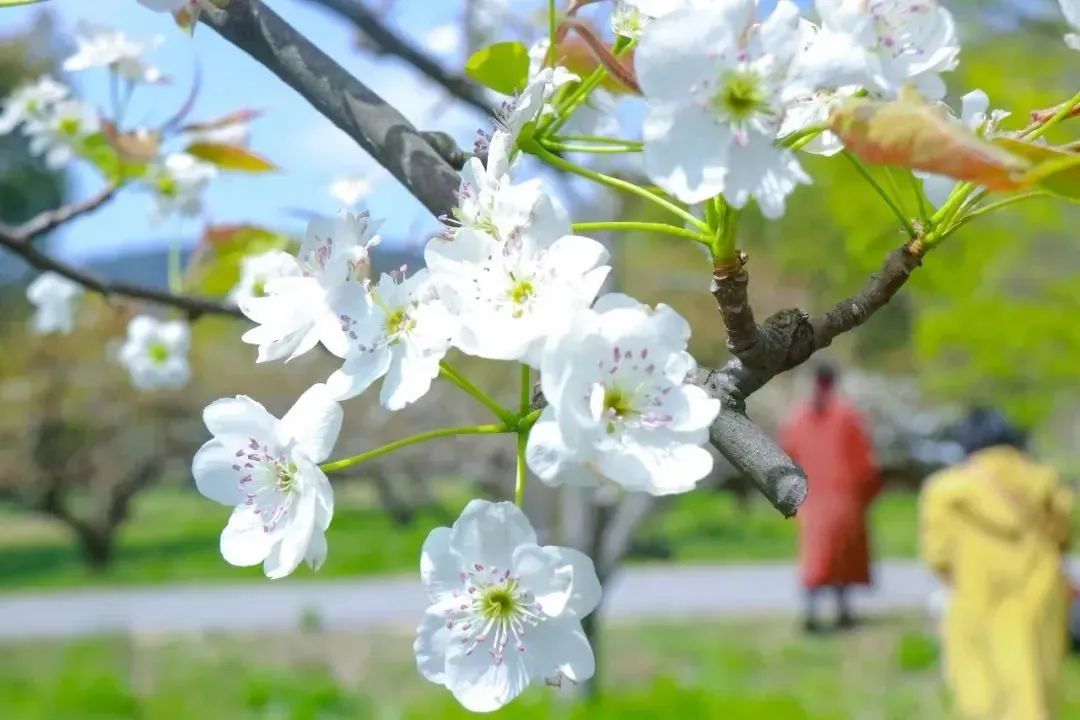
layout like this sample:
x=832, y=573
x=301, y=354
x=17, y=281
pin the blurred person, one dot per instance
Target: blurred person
x=827, y=438
x=994, y=528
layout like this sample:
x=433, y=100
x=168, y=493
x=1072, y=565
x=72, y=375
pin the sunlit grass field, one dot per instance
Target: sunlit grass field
x=173, y=537
x=764, y=670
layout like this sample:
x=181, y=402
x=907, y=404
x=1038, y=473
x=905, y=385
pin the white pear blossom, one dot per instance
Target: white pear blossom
x=505, y=612
x=61, y=132
x=1071, y=10
x=268, y=469
x=53, y=297
x=258, y=271
x=155, y=353
x=302, y=309
x=976, y=116
x=528, y=106
x=178, y=183
x=33, y=101
x=627, y=20
x=398, y=329
x=715, y=87
x=660, y=8
x=619, y=404
x=903, y=41
x=99, y=46
x=512, y=294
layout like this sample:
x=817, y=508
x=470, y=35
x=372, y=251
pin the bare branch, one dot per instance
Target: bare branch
x=193, y=306
x=52, y=219
x=368, y=119
x=388, y=42
x=784, y=341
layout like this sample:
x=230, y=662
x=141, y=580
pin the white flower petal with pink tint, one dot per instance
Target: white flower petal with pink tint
x=505, y=612
x=268, y=469
x=620, y=406
x=302, y=308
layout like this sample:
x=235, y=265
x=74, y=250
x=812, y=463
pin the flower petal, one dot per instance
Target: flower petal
x=487, y=533
x=313, y=422
x=244, y=542
x=215, y=478
x=440, y=566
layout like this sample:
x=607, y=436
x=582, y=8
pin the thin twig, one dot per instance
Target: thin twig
x=388, y=42
x=193, y=306
x=52, y=219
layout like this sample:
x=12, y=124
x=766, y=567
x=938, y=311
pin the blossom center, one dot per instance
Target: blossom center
x=397, y=322
x=741, y=95
x=522, y=291
x=268, y=479
x=498, y=603
x=618, y=403
x=158, y=353
x=492, y=610
x=258, y=289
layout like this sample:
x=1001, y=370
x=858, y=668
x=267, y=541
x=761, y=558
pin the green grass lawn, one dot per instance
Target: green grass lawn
x=173, y=537
x=759, y=671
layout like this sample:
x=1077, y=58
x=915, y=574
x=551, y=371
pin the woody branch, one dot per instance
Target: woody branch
x=20, y=241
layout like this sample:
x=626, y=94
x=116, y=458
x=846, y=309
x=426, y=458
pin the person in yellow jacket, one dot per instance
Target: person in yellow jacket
x=994, y=529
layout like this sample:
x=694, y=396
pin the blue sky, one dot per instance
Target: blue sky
x=308, y=148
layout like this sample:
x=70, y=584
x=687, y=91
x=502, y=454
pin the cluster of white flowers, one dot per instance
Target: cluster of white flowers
x=508, y=280
x=56, y=124
x=723, y=87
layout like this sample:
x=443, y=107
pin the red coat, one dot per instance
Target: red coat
x=833, y=448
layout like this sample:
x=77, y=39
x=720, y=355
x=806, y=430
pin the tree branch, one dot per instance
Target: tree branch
x=193, y=306
x=368, y=119
x=388, y=42
x=784, y=341
x=52, y=219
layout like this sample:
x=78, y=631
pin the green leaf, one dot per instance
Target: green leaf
x=1060, y=176
x=13, y=3
x=231, y=157
x=215, y=269
x=503, y=67
x=1057, y=170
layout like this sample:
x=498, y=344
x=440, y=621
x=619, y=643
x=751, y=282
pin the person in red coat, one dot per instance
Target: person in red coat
x=827, y=438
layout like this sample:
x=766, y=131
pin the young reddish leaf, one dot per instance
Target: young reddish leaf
x=135, y=147
x=922, y=137
x=238, y=117
x=231, y=157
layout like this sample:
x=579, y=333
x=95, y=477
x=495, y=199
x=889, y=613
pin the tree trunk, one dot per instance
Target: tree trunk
x=97, y=546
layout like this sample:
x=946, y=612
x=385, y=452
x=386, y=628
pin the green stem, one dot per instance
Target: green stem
x=555, y=161
x=523, y=433
x=920, y=196
x=414, y=440
x=881, y=191
x=572, y=102
x=985, y=209
x=522, y=469
x=176, y=273
x=551, y=53
x=526, y=391
x=597, y=149
x=451, y=374
x=1061, y=114
x=632, y=226
x=598, y=139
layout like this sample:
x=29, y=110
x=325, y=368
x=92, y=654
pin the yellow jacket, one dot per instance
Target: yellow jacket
x=994, y=528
